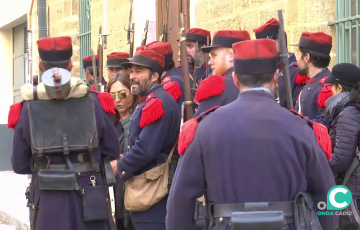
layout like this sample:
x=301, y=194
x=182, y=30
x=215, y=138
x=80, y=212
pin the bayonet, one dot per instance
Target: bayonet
x=165, y=33
x=129, y=25
x=144, y=38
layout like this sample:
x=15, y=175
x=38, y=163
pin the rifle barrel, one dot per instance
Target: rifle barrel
x=285, y=61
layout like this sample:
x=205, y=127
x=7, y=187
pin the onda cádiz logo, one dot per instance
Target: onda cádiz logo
x=338, y=198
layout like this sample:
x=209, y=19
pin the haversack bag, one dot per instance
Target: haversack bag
x=145, y=190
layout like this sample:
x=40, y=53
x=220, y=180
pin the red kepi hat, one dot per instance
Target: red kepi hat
x=87, y=61
x=269, y=30
x=255, y=57
x=163, y=48
x=197, y=34
x=115, y=59
x=55, y=48
x=318, y=42
x=147, y=58
x=226, y=38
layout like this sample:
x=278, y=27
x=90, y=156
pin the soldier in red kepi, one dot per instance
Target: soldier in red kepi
x=60, y=142
x=113, y=64
x=153, y=133
x=89, y=72
x=313, y=58
x=219, y=89
x=192, y=36
x=172, y=84
x=252, y=156
x=270, y=30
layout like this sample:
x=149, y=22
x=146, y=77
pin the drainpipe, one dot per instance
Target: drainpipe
x=42, y=28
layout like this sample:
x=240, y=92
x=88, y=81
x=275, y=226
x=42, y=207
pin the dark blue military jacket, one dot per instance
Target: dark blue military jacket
x=251, y=150
x=59, y=210
x=281, y=81
x=148, y=144
x=216, y=92
x=308, y=101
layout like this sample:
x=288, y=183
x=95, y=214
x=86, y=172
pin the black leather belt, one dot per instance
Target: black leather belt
x=225, y=210
x=78, y=167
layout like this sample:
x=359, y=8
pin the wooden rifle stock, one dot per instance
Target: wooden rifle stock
x=285, y=61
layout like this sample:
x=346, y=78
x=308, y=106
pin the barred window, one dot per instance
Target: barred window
x=84, y=32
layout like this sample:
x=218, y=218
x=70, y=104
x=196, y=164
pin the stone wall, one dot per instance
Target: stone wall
x=299, y=16
x=64, y=21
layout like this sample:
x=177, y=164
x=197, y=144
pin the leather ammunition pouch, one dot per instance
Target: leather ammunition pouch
x=271, y=220
x=59, y=127
x=252, y=215
x=305, y=214
x=257, y=215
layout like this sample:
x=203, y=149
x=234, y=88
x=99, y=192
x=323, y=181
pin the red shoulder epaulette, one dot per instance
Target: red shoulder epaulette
x=172, y=88
x=209, y=87
x=152, y=111
x=295, y=64
x=188, y=130
x=14, y=115
x=93, y=88
x=180, y=66
x=300, y=79
x=325, y=93
x=321, y=133
x=107, y=102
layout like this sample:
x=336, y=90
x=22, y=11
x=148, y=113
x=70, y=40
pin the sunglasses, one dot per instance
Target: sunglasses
x=120, y=95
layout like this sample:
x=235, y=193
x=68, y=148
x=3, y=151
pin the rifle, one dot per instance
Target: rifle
x=130, y=32
x=98, y=81
x=144, y=38
x=285, y=61
x=207, y=58
x=195, y=68
x=189, y=109
x=94, y=69
x=164, y=33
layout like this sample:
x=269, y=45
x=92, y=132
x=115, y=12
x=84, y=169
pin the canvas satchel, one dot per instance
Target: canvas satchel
x=145, y=190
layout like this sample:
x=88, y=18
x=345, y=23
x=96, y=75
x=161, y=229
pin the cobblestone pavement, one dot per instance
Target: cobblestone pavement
x=12, y=199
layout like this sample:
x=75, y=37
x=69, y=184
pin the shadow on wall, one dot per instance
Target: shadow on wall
x=6, y=137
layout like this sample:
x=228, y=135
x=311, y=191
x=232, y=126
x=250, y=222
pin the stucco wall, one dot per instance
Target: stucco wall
x=299, y=16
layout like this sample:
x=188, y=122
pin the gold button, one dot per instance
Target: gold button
x=79, y=174
x=282, y=74
x=129, y=147
x=137, y=107
x=123, y=172
x=128, y=132
x=309, y=88
x=221, y=219
x=33, y=207
x=130, y=119
x=303, y=100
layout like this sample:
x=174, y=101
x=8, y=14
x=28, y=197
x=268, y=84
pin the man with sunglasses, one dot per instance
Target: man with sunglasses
x=113, y=64
x=153, y=131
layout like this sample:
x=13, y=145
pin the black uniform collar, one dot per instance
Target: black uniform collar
x=229, y=71
x=323, y=73
x=152, y=89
